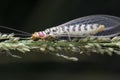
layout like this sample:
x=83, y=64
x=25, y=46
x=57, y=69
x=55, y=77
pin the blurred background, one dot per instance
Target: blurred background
x=37, y=15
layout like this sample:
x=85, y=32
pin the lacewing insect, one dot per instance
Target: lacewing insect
x=94, y=25
x=97, y=25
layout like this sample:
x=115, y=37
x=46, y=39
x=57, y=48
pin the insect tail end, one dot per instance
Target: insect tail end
x=101, y=28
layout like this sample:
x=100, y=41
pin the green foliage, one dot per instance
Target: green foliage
x=60, y=48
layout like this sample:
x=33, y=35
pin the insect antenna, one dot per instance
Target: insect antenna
x=18, y=34
x=23, y=32
x=21, y=36
x=27, y=35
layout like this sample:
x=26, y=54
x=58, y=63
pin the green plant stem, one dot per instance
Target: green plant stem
x=61, y=47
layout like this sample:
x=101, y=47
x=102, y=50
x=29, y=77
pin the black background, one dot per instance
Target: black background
x=36, y=15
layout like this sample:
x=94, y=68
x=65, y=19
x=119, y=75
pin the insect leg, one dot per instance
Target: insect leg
x=69, y=37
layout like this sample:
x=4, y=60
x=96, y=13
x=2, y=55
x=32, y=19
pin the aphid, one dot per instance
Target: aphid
x=96, y=25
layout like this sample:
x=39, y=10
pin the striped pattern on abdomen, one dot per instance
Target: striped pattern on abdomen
x=78, y=30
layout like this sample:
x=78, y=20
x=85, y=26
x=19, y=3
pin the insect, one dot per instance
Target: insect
x=97, y=25
x=94, y=25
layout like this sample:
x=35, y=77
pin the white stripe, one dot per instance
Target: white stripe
x=60, y=31
x=88, y=28
x=76, y=27
x=82, y=28
x=71, y=29
x=95, y=26
x=66, y=28
x=76, y=32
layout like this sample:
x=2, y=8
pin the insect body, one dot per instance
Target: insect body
x=98, y=25
x=76, y=30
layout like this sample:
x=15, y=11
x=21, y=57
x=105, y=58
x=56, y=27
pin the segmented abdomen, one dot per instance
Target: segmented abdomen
x=111, y=23
x=76, y=30
x=79, y=30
